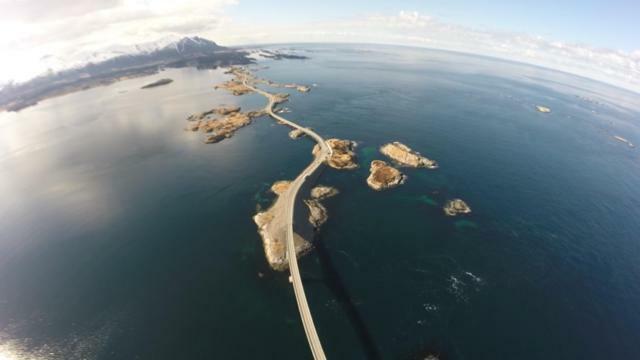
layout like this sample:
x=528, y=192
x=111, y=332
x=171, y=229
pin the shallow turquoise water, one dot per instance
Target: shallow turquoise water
x=125, y=237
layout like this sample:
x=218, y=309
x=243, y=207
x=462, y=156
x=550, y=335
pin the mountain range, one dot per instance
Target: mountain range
x=108, y=68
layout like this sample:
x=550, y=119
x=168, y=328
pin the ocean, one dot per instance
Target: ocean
x=125, y=237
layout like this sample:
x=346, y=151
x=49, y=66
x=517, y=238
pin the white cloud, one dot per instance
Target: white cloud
x=414, y=29
x=31, y=41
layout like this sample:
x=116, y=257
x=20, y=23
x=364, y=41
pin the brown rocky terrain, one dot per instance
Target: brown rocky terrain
x=343, y=156
x=382, y=176
x=223, y=127
x=317, y=213
x=322, y=192
x=406, y=156
x=279, y=187
x=455, y=207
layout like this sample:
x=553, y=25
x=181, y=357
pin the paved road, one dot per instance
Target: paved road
x=290, y=197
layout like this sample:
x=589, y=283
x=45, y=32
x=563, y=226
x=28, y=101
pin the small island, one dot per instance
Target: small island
x=455, y=207
x=543, y=109
x=343, y=156
x=222, y=128
x=157, y=83
x=383, y=176
x=406, y=156
x=318, y=214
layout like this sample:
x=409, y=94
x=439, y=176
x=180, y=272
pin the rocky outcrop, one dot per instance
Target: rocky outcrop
x=273, y=231
x=406, y=156
x=382, y=176
x=543, y=109
x=274, y=240
x=222, y=128
x=280, y=98
x=208, y=115
x=343, y=156
x=296, y=133
x=322, y=192
x=455, y=207
x=317, y=213
x=279, y=187
x=303, y=89
x=235, y=86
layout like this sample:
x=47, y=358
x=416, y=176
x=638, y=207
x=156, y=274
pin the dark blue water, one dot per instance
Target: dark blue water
x=124, y=237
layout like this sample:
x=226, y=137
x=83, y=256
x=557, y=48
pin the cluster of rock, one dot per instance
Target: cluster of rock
x=455, y=207
x=383, y=176
x=273, y=231
x=235, y=86
x=221, y=128
x=318, y=214
x=406, y=156
x=207, y=115
x=343, y=156
x=272, y=227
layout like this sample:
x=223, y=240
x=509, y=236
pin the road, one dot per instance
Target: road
x=290, y=197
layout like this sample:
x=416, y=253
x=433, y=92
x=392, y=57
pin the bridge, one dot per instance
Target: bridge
x=290, y=197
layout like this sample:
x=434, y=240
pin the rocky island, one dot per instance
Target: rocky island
x=383, y=176
x=455, y=207
x=343, y=156
x=235, y=86
x=318, y=214
x=221, y=128
x=407, y=157
x=157, y=83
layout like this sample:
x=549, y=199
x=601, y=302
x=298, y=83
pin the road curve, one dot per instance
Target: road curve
x=290, y=197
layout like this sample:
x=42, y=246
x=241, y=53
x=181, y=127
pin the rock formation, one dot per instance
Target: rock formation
x=279, y=187
x=407, y=157
x=382, y=176
x=343, y=156
x=273, y=231
x=455, y=207
x=322, y=192
x=317, y=213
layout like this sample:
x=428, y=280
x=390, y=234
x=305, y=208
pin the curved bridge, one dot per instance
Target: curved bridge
x=290, y=197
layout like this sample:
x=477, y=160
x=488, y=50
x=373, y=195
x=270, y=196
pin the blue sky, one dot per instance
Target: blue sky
x=611, y=24
x=593, y=38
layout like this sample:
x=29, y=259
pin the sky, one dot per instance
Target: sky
x=594, y=38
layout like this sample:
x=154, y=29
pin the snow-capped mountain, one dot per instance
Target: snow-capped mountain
x=105, y=66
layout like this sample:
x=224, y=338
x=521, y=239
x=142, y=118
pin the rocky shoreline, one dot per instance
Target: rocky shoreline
x=455, y=207
x=383, y=176
x=343, y=156
x=406, y=156
x=218, y=129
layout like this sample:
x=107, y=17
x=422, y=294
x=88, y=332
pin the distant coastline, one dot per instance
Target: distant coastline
x=188, y=52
